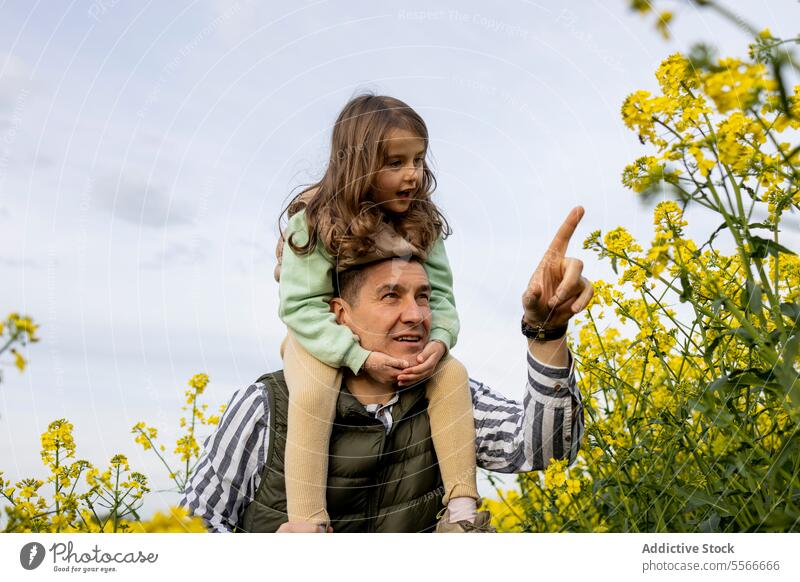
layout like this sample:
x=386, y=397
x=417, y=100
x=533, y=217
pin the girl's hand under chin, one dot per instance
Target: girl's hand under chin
x=384, y=368
x=427, y=361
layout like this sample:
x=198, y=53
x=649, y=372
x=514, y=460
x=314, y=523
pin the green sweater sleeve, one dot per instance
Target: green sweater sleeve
x=306, y=287
x=445, y=325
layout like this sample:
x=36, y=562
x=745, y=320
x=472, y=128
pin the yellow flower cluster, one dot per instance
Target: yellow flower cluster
x=563, y=502
x=736, y=85
x=57, y=442
x=19, y=361
x=711, y=122
x=145, y=435
x=665, y=428
x=646, y=173
x=116, y=492
x=663, y=19
x=177, y=520
x=199, y=383
x=17, y=330
x=114, y=495
x=21, y=325
x=186, y=446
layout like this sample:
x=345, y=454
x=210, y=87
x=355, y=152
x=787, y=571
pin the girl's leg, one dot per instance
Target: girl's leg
x=453, y=428
x=313, y=393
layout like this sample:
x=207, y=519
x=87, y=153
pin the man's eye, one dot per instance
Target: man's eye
x=423, y=298
x=391, y=295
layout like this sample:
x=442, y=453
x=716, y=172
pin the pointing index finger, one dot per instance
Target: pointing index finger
x=565, y=232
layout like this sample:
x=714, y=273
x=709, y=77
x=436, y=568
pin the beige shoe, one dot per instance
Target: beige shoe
x=482, y=524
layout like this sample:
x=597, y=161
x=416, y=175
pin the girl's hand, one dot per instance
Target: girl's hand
x=383, y=368
x=427, y=362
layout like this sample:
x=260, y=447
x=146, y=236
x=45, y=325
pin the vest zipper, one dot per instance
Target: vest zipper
x=372, y=504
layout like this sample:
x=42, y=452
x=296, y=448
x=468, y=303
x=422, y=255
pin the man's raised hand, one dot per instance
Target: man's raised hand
x=556, y=290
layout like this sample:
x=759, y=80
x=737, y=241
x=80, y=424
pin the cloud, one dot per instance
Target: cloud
x=180, y=253
x=254, y=255
x=234, y=21
x=14, y=83
x=21, y=263
x=134, y=198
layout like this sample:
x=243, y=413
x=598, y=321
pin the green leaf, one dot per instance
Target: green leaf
x=697, y=498
x=790, y=349
x=749, y=190
x=686, y=288
x=744, y=334
x=751, y=297
x=711, y=524
x=717, y=231
x=761, y=247
x=755, y=377
x=764, y=225
x=709, y=352
x=792, y=311
x=716, y=305
x=718, y=384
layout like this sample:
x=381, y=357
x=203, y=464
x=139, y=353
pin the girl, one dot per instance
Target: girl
x=373, y=202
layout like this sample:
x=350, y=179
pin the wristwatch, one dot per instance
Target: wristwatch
x=541, y=333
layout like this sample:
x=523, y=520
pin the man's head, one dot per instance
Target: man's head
x=387, y=305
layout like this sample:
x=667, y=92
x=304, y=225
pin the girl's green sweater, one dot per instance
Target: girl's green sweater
x=306, y=287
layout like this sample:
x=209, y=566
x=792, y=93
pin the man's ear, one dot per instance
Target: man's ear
x=339, y=308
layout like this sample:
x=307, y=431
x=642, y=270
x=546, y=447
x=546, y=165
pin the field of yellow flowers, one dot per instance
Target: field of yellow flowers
x=693, y=417
x=78, y=498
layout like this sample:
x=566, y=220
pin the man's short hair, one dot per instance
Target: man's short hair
x=349, y=282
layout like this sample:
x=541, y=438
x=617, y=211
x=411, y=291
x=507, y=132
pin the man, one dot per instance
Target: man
x=383, y=473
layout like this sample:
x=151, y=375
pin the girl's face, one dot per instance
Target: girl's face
x=397, y=181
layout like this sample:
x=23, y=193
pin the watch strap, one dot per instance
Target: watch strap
x=542, y=333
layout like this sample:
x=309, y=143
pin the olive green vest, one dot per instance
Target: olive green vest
x=377, y=482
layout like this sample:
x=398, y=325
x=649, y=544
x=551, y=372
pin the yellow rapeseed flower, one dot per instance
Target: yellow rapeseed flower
x=177, y=520
x=735, y=84
x=199, y=382
x=187, y=447
x=57, y=438
x=120, y=461
x=19, y=361
x=554, y=474
x=662, y=24
x=620, y=241
x=25, y=325
x=675, y=74
x=573, y=486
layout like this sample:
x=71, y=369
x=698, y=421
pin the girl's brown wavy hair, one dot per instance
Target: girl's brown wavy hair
x=343, y=214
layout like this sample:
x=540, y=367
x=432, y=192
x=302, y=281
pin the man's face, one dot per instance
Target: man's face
x=392, y=313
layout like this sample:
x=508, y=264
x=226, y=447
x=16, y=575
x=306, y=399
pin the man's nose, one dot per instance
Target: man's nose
x=413, y=313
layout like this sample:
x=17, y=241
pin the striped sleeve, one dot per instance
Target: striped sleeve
x=514, y=437
x=229, y=471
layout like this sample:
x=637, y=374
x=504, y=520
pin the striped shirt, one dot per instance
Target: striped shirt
x=512, y=437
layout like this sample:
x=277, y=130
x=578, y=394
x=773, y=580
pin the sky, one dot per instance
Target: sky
x=147, y=149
